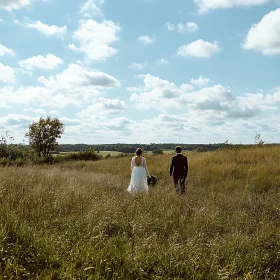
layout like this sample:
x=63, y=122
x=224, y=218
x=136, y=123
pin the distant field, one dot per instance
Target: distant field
x=112, y=153
x=102, y=153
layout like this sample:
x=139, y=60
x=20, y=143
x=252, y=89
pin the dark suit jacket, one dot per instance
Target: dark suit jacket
x=179, y=166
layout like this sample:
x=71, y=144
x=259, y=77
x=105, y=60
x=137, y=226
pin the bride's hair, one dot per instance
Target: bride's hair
x=139, y=151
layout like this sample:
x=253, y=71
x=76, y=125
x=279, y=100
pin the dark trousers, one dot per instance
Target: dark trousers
x=181, y=182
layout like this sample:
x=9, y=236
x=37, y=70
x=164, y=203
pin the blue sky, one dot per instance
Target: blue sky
x=143, y=71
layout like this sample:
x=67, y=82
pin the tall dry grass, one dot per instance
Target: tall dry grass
x=76, y=220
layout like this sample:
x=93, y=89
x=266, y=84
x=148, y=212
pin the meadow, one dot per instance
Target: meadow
x=75, y=220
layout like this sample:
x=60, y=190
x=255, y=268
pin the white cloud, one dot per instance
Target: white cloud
x=146, y=39
x=13, y=4
x=1, y=20
x=199, y=48
x=4, y=50
x=76, y=77
x=265, y=35
x=156, y=93
x=170, y=27
x=39, y=111
x=200, y=82
x=92, y=7
x=181, y=27
x=216, y=102
x=103, y=106
x=117, y=124
x=35, y=96
x=16, y=120
x=136, y=66
x=189, y=27
x=53, y=112
x=75, y=86
x=95, y=38
x=206, y=5
x=49, y=62
x=7, y=74
x=42, y=112
x=161, y=61
x=48, y=30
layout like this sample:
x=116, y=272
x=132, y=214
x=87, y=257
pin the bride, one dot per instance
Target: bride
x=138, y=182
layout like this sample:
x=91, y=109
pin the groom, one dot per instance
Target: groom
x=179, y=169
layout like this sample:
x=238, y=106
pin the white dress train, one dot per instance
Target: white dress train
x=138, y=182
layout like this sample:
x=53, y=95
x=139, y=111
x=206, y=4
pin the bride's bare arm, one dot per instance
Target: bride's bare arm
x=146, y=167
x=131, y=164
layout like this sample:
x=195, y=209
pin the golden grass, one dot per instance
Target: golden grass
x=76, y=220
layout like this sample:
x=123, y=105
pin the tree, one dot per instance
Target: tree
x=43, y=134
x=5, y=145
x=258, y=139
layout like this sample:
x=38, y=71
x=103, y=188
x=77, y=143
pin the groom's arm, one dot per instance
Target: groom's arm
x=171, y=167
x=186, y=167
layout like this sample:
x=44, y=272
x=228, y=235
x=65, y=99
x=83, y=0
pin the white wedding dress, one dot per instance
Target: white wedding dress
x=138, y=182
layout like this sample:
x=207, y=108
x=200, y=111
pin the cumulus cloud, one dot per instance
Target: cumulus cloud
x=200, y=82
x=4, y=50
x=206, y=5
x=79, y=82
x=146, y=39
x=170, y=26
x=95, y=39
x=162, y=61
x=199, y=48
x=265, y=35
x=103, y=106
x=75, y=86
x=182, y=27
x=92, y=8
x=117, y=124
x=1, y=20
x=136, y=66
x=217, y=101
x=16, y=120
x=49, y=62
x=70, y=122
x=39, y=111
x=47, y=30
x=156, y=93
x=35, y=96
x=7, y=74
x=9, y=5
x=42, y=111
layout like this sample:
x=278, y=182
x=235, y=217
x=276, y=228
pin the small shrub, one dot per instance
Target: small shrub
x=88, y=155
x=157, y=152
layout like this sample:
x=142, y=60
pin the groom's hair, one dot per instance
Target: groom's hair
x=178, y=149
x=139, y=152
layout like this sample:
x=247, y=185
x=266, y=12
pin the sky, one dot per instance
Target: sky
x=142, y=71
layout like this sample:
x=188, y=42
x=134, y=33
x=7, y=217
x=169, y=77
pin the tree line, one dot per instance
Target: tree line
x=130, y=148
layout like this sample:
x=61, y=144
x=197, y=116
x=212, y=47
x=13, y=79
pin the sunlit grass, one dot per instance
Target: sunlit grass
x=76, y=220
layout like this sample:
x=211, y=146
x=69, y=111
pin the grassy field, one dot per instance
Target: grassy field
x=111, y=153
x=76, y=220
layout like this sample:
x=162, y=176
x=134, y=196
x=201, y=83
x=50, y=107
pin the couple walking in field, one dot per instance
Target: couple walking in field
x=140, y=172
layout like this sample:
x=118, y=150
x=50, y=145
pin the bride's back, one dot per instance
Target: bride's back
x=138, y=161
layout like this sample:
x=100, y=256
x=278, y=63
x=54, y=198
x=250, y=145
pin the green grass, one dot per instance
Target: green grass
x=76, y=220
